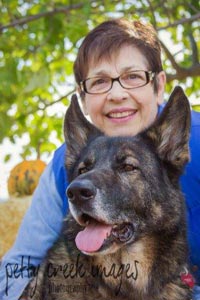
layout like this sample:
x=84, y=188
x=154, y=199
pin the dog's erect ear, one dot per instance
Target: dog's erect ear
x=77, y=131
x=170, y=133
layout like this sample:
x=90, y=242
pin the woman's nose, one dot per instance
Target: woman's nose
x=117, y=92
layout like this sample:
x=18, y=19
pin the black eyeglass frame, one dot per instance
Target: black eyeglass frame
x=150, y=75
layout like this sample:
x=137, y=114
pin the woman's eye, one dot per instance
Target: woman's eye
x=132, y=76
x=99, y=81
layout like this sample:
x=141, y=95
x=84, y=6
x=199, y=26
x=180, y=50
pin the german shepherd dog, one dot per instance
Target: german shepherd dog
x=125, y=238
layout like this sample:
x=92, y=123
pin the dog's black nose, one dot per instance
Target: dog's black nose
x=81, y=190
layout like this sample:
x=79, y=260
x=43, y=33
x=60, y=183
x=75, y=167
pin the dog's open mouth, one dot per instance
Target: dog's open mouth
x=96, y=236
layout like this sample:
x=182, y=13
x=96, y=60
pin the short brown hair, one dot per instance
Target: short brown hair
x=108, y=37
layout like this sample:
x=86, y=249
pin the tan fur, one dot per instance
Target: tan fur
x=138, y=251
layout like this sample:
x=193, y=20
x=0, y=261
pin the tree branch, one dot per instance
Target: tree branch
x=195, y=54
x=170, y=57
x=181, y=21
x=31, y=112
x=152, y=12
x=183, y=73
x=25, y=20
x=59, y=99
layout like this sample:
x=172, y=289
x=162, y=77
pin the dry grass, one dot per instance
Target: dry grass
x=11, y=214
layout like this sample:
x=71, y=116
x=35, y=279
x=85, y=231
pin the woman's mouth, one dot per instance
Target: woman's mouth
x=121, y=116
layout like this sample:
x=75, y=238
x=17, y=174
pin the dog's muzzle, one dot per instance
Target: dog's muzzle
x=98, y=234
x=81, y=191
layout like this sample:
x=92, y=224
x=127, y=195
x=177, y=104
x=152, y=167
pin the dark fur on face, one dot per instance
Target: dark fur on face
x=124, y=197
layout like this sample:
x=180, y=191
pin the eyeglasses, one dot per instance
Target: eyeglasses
x=131, y=80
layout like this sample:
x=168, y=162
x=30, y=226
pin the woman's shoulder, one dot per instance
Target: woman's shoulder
x=61, y=149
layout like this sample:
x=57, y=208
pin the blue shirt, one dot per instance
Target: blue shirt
x=49, y=206
x=190, y=183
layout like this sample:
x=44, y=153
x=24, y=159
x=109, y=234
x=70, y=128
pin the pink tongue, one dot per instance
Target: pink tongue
x=92, y=237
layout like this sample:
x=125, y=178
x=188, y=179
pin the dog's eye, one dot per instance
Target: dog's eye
x=82, y=170
x=129, y=168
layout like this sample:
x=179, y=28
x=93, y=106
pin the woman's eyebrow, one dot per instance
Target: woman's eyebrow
x=99, y=73
x=104, y=72
x=132, y=68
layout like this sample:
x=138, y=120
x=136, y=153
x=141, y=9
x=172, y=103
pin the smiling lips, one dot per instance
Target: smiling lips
x=121, y=114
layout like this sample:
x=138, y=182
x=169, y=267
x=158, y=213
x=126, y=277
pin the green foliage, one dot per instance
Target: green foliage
x=38, y=44
x=196, y=108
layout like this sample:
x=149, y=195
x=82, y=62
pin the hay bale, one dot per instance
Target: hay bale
x=11, y=215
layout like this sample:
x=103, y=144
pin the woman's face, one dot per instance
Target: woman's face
x=123, y=111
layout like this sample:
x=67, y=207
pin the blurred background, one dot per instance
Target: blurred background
x=38, y=44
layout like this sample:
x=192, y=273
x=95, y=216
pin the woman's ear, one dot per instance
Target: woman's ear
x=83, y=103
x=84, y=106
x=161, y=81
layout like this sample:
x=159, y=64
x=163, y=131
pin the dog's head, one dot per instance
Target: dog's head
x=124, y=188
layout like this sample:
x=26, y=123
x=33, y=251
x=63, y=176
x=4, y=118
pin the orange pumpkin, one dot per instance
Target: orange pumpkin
x=24, y=177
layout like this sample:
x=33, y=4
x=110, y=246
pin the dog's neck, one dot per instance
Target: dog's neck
x=128, y=269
